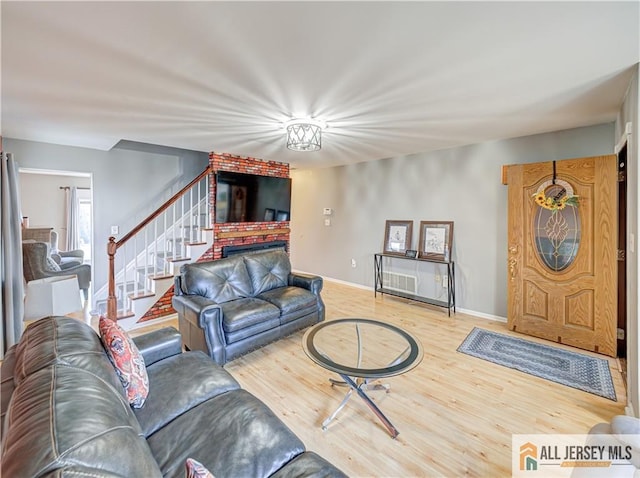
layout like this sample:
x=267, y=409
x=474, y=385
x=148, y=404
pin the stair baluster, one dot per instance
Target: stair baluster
x=174, y=236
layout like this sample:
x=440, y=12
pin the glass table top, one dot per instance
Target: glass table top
x=362, y=348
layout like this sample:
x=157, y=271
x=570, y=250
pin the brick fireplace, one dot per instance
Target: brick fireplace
x=235, y=234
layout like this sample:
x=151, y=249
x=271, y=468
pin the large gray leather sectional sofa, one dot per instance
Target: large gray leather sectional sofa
x=231, y=306
x=67, y=415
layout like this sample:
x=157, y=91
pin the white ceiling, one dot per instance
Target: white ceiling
x=390, y=78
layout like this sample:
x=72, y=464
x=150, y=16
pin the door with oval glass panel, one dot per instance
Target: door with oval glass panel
x=562, y=251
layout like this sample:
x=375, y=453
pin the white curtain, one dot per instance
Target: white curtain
x=12, y=296
x=73, y=219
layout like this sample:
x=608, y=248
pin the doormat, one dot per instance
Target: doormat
x=561, y=366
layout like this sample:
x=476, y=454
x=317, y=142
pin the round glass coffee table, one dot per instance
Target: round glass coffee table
x=360, y=351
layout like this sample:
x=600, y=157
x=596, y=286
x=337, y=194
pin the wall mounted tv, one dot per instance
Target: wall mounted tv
x=251, y=198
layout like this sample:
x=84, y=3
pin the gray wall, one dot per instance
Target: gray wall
x=128, y=184
x=461, y=185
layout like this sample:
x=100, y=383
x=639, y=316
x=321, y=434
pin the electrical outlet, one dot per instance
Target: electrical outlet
x=327, y=222
x=353, y=263
x=114, y=229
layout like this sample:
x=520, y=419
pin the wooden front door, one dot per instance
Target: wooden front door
x=562, y=251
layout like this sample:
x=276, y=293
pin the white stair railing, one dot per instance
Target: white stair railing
x=157, y=241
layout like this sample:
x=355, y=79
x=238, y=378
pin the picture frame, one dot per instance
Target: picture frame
x=411, y=253
x=397, y=237
x=282, y=215
x=269, y=214
x=436, y=240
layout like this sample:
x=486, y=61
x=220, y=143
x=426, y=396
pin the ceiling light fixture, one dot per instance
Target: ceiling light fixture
x=304, y=134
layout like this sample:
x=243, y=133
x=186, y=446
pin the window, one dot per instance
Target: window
x=84, y=224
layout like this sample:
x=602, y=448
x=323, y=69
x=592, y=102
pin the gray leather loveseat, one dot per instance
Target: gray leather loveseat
x=65, y=413
x=234, y=305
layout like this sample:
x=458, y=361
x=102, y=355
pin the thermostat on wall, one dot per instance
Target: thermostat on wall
x=327, y=211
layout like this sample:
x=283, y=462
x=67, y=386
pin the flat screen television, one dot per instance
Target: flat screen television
x=251, y=198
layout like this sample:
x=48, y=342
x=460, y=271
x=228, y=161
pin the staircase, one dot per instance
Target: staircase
x=142, y=264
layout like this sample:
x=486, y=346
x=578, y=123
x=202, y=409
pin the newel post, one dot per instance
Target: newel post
x=112, y=301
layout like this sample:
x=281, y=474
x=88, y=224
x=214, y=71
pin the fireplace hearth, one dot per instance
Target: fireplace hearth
x=256, y=247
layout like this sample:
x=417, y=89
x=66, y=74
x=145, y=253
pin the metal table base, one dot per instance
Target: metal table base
x=359, y=385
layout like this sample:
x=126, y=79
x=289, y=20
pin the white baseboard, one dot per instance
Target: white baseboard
x=338, y=281
x=480, y=315
x=351, y=284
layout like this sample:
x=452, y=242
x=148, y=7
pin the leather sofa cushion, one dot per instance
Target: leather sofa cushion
x=289, y=299
x=309, y=465
x=220, y=281
x=88, y=418
x=232, y=434
x=63, y=340
x=271, y=325
x=179, y=383
x=268, y=270
x=297, y=314
x=243, y=313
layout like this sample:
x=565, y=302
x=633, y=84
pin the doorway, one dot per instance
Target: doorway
x=43, y=202
x=622, y=257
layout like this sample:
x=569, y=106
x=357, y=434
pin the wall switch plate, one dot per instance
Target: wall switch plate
x=445, y=281
x=114, y=229
x=327, y=211
x=353, y=263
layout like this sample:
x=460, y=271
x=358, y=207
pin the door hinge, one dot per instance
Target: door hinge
x=621, y=177
x=621, y=255
x=620, y=334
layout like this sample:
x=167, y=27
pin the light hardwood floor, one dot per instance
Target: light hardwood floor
x=455, y=413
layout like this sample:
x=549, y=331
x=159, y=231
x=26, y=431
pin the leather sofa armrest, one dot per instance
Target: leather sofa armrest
x=159, y=344
x=207, y=315
x=201, y=308
x=177, y=285
x=310, y=282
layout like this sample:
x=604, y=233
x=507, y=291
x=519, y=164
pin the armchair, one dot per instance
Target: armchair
x=65, y=259
x=38, y=264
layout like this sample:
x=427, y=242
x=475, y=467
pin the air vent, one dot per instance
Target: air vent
x=400, y=282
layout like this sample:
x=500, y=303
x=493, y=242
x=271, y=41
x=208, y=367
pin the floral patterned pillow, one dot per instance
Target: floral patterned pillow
x=127, y=361
x=195, y=469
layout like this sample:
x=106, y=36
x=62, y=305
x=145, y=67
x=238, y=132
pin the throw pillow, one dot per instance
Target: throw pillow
x=51, y=265
x=196, y=469
x=127, y=361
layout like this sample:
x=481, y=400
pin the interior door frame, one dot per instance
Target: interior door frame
x=55, y=172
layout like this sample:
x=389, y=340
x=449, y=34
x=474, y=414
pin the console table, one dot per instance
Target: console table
x=449, y=304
